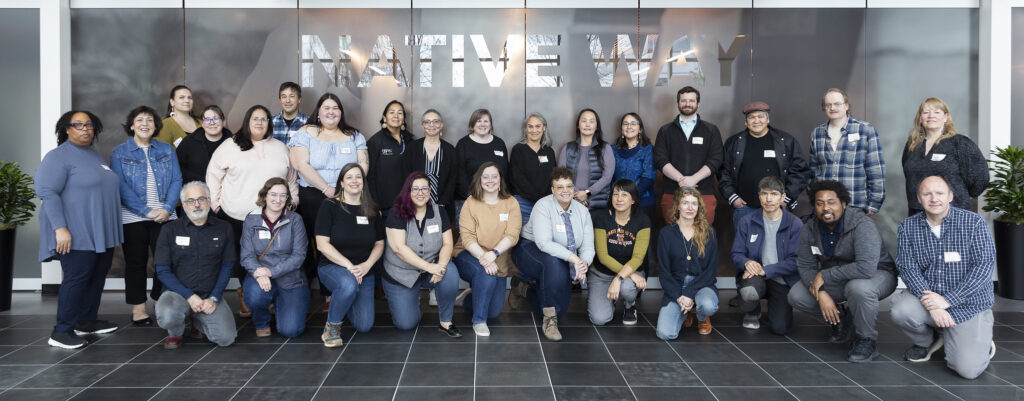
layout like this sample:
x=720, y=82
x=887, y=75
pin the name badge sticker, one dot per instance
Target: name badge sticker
x=503, y=217
x=753, y=238
x=362, y=220
x=938, y=157
x=264, y=234
x=559, y=228
x=951, y=257
x=698, y=140
x=346, y=150
x=105, y=167
x=182, y=240
x=543, y=159
x=433, y=229
x=769, y=154
x=815, y=250
x=853, y=137
x=499, y=153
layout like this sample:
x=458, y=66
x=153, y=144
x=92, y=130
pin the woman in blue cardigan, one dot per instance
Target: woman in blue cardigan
x=688, y=256
x=634, y=160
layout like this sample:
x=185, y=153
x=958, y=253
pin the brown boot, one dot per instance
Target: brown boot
x=550, y=325
x=704, y=327
x=243, y=310
x=517, y=294
x=690, y=318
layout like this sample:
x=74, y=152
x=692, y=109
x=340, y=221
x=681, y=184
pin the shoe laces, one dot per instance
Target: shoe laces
x=550, y=322
x=333, y=330
x=862, y=345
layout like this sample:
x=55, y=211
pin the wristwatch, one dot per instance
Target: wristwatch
x=496, y=252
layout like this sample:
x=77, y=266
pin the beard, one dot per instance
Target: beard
x=199, y=214
x=688, y=111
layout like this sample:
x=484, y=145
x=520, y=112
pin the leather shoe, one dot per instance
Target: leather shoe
x=451, y=331
x=144, y=322
x=172, y=342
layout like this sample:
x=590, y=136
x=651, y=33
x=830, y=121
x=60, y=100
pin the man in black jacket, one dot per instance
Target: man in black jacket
x=688, y=151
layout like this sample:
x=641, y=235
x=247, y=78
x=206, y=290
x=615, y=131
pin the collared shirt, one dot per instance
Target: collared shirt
x=957, y=266
x=687, y=126
x=830, y=237
x=283, y=131
x=547, y=229
x=196, y=256
x=858, y=162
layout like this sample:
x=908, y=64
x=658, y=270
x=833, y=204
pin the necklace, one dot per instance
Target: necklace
x=686, y=245
x=619, y=231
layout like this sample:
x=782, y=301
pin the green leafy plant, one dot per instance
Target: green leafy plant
x=16, y=196
x=1005, y=193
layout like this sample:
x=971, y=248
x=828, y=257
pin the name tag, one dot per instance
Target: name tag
x=936, y=157
x=853, y=137
x=178, y=142
x=769, y=154
x=559, y=228
x=346, y=150
x=264, y=234
x=698, y=140
x=386, y=152
x=543, y=159
x=951, y=257
x=182, y=240
x=433, y=229
x=362, y=220
x=815, y=251
x=753, y=238
x=499, y=153
x=503, y=217
x=105, y=167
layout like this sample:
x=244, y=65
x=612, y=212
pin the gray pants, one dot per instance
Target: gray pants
x=219, y=326
x=860, y=295
x=967, y=344
x=600, y=308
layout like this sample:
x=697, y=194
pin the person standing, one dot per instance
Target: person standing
x=386, y=148
x=290, y=119
x=180, y=120
x=634, y=161
x=435, y=157
x=591, y=161
x=478, y=147
x=194, y=152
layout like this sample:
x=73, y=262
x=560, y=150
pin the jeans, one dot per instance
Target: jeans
x=966, y=344
x=670, y=318
x=488, y=296
x=219, y=326
x=350, y=297
x=738, y=214
x=551, y=274
x=85, y=273
x=599, y=307
x=404, y=302
x=780, y=314
x=290, y=306
x=860, y=295
x=139, y=239
x=525, y=208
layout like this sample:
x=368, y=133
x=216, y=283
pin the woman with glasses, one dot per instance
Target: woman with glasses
x=240, y=167
x=634, y=160
x=180, y=120
x=150, y=181
x=435, y=157
x=79, y=224
x=531, y=163
x=591, y=161
x=195, y=151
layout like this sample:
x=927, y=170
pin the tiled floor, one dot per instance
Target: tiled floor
x=514, y=363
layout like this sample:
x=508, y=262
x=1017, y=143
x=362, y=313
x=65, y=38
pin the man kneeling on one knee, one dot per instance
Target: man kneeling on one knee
x=844, y=268
x=945, y=257
x=193, y=259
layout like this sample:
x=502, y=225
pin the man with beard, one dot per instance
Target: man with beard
x=193, y=260
x=844, y=268
x=688, y=151
x=290, y=119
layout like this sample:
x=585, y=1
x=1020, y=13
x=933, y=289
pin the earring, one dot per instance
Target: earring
x=403, y=127
x=383, y=125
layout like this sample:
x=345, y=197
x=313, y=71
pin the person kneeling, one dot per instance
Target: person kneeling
x=622, y=234
x=688, y=256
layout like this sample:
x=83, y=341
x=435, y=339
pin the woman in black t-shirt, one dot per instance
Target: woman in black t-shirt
x=622, y=234
x=350, y=238
x=479, y=147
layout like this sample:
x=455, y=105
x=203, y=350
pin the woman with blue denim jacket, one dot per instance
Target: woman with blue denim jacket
x=149, y=181
x=273, y=247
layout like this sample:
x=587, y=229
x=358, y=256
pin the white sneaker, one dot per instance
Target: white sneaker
x=462, y=296
x=433, y=299
x=752, y=322
x=481, y=329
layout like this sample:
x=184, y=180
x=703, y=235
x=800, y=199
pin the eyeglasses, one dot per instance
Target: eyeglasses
x=212, y=120
x=431, y=122
x=192, y=201
x=83, y=126
x=834, y=105
x=260, y=120
x=419, y=189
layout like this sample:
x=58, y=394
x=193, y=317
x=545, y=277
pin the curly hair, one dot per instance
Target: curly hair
x=135, y=113
x=829, y=185
x=701, y=228
x=64, y=123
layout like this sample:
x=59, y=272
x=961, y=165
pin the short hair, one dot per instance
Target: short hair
x=687, y=89
x=290, y=85
x=477, y=115
x=220, y=113
x=200, y=184
x=476, y=189
x=772, y=183
x=846, y=99
x=261, y=197
x=431, y=111
x=829, y=185
x=243, y=138
x=943, y=179
x=628, y=186
x=64, y=122
x=545, y=139
x=559, y=173
x=135, y=113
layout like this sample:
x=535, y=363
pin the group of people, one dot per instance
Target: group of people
x=290, y=199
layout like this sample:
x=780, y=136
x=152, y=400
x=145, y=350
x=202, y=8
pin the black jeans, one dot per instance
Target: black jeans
x=85, y=272
x=236, y=227
x=780, y=313
x=139, y=240
x=309, y=206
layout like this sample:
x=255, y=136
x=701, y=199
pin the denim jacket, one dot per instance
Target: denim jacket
x=129, y=163
x=284, y=257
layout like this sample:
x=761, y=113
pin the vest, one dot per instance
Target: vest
x=426, y=246
x=598, y=200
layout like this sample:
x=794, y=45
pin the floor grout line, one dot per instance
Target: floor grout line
x=543, y=357
x=402, y=373
x=687, y=364
x=331, y=369
x=616, y=364
x=263, y=365
x=834, y=368
x=756, y=363
x=183, y=371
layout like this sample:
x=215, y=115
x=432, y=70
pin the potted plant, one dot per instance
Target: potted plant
x=1005, y=195
x=16, y=209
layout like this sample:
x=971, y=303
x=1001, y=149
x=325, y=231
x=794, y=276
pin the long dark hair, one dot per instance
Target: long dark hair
x=64, y=122
x=135, y=113
x=598, y=144
x=628, y=186
x=642, y=136
x=243, y=138
x=403, y=207
x=171, y=97
x=315, y=118
x=366, y=205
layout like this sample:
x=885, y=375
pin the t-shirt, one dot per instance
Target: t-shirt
x=769, y=248
x=624, y=244
x=471, y=155
x=351, y=233
x=755, y=167
x=397, y=223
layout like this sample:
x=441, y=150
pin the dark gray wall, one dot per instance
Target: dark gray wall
x=1017, y=79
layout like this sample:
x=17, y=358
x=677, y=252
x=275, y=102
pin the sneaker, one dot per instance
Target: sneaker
x=922, y=354
x=263, y=332
x=481, y=329
x=863, y=351
x=629, y=316
x=332, y=335
x=172, y=342
x=66, y=340
x=704, y=327
x=690, y=318
x=451, y=331
x=462, y=296
x=550, y=325
x=752, y=321
x=992, y=350
x=433, y=299
x=94, y=327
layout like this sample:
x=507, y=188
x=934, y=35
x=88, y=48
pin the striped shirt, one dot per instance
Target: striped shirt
x=857, y=164
x=152, y=196
x=957, y=265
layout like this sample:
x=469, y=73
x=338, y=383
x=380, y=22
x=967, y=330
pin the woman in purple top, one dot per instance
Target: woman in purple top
x=591, y=161
x=79, y=224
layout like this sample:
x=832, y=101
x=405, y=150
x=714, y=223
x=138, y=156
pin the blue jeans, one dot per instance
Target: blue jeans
x=488, y=291
x=554, y=282
x=348, y=297
x=525, y=208
x=404, y=302
x=738, y=214
x=290, y=305
x=85, y=273
x=670, y=318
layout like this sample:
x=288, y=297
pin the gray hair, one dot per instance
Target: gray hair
x=545, y=139
x=206, y=189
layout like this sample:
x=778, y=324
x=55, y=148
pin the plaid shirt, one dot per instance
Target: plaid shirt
x=928, y=263
x=857, y=164
x=284, y=132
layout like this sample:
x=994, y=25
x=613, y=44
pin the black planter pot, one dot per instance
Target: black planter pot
x=1009, y=239
x=6, y=267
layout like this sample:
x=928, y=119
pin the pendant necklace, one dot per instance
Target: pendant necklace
x=686, y=245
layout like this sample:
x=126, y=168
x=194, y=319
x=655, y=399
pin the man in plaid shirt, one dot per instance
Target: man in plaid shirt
x=945, y=257
x=290, y=119
x=848, y=150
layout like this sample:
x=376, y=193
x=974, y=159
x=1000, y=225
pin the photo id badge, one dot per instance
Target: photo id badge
x=362, y=220
x=499, y=153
